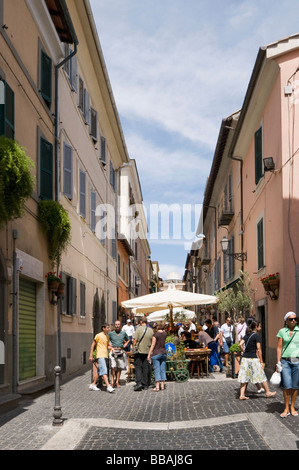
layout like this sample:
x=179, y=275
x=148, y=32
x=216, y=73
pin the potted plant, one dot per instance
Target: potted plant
x=60, y=289
x=53, y=281
x=270, y=284
x=236, y=357
x=16, y=181
x=57, y=228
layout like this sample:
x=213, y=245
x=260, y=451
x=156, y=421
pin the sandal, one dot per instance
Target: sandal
x=294, y=413
x=285, y=414
x=156, y=389
x=270, y=394
x=117, y=385
x=244, y=398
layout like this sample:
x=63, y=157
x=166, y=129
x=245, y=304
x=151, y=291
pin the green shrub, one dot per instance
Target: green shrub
x=16, y=180
x=57, y=228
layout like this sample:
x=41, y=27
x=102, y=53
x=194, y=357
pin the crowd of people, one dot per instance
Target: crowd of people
x=147, y=343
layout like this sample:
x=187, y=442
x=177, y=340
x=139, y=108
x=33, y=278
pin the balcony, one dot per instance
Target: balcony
x=226, y=213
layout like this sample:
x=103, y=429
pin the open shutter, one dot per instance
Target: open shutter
x=103, y=150
x=68, y=171
x=46, y=169
x=93, y=204
x=46, y=77
x=258, y=148
x=82, y=194
x=74, y=74
x=260, y=244
x=82, y=299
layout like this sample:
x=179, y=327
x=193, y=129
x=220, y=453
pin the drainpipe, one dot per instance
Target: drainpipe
x=57, y=67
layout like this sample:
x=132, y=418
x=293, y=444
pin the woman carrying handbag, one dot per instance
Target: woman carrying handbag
x=288, y=362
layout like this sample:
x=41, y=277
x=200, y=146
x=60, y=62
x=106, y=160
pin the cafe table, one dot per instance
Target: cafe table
x=197, y=355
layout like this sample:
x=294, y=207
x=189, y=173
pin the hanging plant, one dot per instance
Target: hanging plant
x=16, y=180
x=57, y=227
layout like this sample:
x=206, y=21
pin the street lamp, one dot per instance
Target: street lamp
x=238, y=256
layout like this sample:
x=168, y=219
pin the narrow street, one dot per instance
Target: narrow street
x=202, y=414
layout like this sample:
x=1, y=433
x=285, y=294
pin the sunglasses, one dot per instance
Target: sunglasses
x=292, y=319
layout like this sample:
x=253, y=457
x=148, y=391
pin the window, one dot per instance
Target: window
x=84, y=102
x=94, y=124
x=68, y=303
x=112, y=177
x=118, y=264
x=260, y=244
x=258, y=150
x=82, y=183
x=46, y=169
x=68, y=171
x=93, y=206
x=46, y=78
x=71, y=68
x=7, y=110
x=82, y=299
x=103, y=150
x=228, y=261
x=114, y=311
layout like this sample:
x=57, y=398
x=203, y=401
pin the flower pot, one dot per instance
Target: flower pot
x=60, y=290
x=273, y=283
x=266, y=286
x=53, y=285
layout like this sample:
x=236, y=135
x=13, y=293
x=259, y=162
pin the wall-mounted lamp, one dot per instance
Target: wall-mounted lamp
x=269, y=164
x=238, y=256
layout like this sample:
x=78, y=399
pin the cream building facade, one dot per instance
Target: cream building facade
x=57, y=88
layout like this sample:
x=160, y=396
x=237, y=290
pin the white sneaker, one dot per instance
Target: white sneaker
x=93, y=387
x=110, y=389
x=261, y=390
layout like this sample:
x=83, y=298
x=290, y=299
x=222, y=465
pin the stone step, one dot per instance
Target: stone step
x=35, y=390
x=9, y=402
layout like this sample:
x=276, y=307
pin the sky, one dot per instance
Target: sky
x=177, y=68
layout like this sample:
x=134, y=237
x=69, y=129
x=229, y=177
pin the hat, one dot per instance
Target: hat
x=288, y=315
x=128, y=319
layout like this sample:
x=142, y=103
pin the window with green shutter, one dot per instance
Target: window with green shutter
x=7, y=110
x=260, y=244
x=46, y=169
x=46, y=78
x=258, y=150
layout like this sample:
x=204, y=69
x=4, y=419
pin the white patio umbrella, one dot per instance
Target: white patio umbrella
x=169, y=298
x=160, y=315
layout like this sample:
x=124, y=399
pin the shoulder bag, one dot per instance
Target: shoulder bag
x=135, y=348
x=276, y=376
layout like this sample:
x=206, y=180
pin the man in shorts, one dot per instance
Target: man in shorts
x=118, y=341
x=101, y=342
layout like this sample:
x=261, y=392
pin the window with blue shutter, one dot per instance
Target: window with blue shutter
x=103, y=150
x=68, y=171
x=93, y=206
x=258, y=150
x=46, y=169
x=7, y=110
x=46, y=78
x=82, y=184
x=260, y=244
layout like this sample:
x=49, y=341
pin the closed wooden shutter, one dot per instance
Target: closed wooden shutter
x=27, y=329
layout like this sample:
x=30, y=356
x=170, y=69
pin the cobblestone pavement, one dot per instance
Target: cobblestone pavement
x=209, y=407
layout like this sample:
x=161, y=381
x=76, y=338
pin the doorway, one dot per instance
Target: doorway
x=261, y=317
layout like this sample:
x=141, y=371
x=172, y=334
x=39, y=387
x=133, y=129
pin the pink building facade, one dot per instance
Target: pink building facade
x=260, y=197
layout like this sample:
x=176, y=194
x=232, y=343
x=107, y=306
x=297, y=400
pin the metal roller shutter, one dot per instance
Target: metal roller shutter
x=27, y=329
